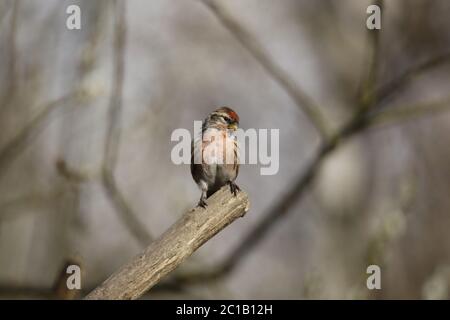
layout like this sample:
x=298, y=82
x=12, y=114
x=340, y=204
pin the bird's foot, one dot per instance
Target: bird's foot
x=234, y=188
x=202, y=203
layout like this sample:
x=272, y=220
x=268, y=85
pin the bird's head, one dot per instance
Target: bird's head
x=223, y=117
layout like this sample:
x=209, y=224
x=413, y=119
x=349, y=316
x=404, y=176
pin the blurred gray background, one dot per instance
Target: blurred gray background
x=85, y=169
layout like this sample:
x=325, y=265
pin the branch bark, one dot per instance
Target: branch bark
x=180, y=241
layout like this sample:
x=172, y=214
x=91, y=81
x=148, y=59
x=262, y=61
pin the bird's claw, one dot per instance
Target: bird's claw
x=202, y=203
x=234, y=188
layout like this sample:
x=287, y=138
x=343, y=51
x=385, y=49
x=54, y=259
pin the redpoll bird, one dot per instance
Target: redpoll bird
x=215, y=155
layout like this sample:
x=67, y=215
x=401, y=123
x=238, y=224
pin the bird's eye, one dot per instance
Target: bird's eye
x=228, y=120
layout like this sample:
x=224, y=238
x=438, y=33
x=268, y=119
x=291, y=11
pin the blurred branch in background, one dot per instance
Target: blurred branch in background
x=369, y=84
x=403, y=113
x=17, y=144
x=70, y=174
x=113, y=134
x=8, y=208
x=13, y=55
x=386, y=91
x=249, y=42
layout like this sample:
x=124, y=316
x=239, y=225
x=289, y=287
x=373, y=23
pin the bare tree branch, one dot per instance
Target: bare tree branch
x=113, y=135
x=180, y=241
x=249, y=42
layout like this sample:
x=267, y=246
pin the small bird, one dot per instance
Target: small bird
x=215, y=154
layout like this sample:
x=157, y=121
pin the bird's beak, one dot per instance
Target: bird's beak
x=233, y=126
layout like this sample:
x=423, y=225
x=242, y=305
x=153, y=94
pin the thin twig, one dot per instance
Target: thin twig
x=113, y=134
x=249, y=42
